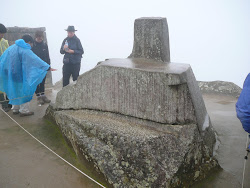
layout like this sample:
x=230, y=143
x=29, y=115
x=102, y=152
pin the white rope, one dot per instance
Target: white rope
x=53, y=151
x=244, y=168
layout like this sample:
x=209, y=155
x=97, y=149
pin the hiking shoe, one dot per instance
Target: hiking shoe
x=45, y=99
x=7, y=109
x=26, y=114
x=40, y=100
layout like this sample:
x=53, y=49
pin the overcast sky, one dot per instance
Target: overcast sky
x=213, y=36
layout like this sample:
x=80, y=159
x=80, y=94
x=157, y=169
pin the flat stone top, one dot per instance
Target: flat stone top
x=151, y=18
x=128, y=126
x=24, y=29
x=147, y=65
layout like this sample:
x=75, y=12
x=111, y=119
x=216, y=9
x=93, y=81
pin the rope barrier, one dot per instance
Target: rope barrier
x=52, y=150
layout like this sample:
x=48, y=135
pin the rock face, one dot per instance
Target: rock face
x=15, y=33
x=142, y=120
x=221, y=87
x=133, y=152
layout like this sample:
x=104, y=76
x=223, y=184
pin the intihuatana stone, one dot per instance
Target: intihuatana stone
x=142, y=121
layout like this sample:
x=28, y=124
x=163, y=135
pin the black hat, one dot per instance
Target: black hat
x=27, y=38
x=70, y=28
x=3, y=29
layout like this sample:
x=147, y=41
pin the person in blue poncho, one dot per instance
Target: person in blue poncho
x=20, y=73
x=243, y=105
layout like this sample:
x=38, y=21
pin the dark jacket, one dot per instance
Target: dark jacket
x=42, y=51
x=74, y=43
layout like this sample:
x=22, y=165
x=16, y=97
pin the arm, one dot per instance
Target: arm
x=35, y=69
x=62, y=50
x=32, y=61
x=47, y=55
x=7, y=44
x=79, y=49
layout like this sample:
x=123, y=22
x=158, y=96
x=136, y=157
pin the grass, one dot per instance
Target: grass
x=51, y=135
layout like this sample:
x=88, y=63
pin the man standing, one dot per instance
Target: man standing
x=72, y=48
x=40, y=48
x=3, y=46
x=20, y=73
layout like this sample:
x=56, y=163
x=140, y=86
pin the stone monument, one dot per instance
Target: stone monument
x=141, y=120
x=15, y=33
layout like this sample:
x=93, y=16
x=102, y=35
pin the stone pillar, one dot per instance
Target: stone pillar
x=15, y=33
x=151, y=39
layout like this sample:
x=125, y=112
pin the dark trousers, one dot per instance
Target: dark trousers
x=68, y=70
x=6, y=101
x=40, y=88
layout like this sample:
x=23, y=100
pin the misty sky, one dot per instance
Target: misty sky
x=213, y=36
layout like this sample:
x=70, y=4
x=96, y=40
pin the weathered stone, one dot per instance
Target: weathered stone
x=151, y=39
x=116, y=86
x=15, y=33
x=165, y=93
x=133, y=152
x=220, y=87
x=142, y=121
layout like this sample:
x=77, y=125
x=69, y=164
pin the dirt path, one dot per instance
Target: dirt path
x=26, y=163
x=232, y=137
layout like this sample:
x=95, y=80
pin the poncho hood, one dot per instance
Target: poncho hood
x=21, y=43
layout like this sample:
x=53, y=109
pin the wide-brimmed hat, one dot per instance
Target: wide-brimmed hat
x=70, y=28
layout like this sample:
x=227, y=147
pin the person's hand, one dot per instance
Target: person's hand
x=71, y=51
x=51, y=69
x=65, y=46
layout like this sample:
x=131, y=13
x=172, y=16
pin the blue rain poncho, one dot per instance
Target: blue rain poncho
x=243, y=105
x=20, y=72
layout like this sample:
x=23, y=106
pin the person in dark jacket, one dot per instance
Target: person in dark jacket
x=40, y=48
x=72, y=50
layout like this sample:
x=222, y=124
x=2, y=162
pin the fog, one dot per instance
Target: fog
x=213, y=36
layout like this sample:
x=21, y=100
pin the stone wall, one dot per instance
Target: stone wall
x=15, y=33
